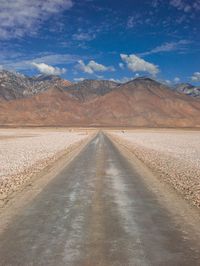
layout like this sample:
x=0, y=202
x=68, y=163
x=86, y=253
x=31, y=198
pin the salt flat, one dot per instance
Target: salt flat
x=173, y=154
x=24, y=152
x=97, y=210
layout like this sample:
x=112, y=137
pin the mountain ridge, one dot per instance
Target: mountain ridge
x=89, y=89
x=14, y=85
x=188, y=89
x=142, y=102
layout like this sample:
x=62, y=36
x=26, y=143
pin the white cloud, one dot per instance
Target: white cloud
x=122, y=80
x=155, y=3
x=93, y=66
x=85, y=68
x=177, y=3
x=78, y=79
x=134, y=20
x=25, y=17
x=168, y=47
x=182, y=5
x=49, y=70
x=83, y=36
x=187, y=8
x=176, y=79
x=99, y=76
x=24, y=64
x=135, y=63
x=196, y=77
x=57, y=59
x=167, y=81
x=121, y=65
x=196, y=5
x=131, y=22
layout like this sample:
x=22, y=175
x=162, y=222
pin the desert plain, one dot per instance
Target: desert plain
x=99, y=196
x=173, y=155
x=25, y=152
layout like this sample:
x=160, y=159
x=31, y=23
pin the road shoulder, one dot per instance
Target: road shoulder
x=26, y=193
x=183, y=213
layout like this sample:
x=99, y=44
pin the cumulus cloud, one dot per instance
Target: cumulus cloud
x=21, y=17
x=48, y=70
x=93, y=66
x=135, y=63
x=196, y=77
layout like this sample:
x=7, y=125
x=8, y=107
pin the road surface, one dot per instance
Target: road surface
x=97, y=211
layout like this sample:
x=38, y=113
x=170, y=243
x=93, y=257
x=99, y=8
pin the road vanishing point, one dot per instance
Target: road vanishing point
x=97, y=211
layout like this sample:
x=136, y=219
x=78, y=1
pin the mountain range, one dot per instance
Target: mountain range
x=188, y=89
x=51, y=101
x=15, y=85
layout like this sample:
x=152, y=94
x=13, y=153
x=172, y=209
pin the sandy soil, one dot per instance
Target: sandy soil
x=173, y=155
x=24, y=152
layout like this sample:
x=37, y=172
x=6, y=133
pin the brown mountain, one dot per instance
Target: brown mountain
x=90, y=89
x=15, y=85
x=141, y=102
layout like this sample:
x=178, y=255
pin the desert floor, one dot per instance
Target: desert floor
x=25, y=152
x=174, y=155
x=107, y=197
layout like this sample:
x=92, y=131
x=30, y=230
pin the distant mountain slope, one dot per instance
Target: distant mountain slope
x=88, y=89
x=15, y=85
x=142, y=102
x=188, y=89
x=145, y=102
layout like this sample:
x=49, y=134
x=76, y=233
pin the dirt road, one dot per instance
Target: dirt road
x=97, y=211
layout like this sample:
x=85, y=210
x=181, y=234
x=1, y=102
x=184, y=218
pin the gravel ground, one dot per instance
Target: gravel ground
x=26, y=152
x=173, y=155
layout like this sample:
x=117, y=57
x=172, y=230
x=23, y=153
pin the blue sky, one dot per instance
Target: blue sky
x=102, y=39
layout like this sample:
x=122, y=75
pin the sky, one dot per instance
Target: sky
x=102, y=39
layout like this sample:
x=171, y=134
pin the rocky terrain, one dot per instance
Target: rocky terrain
x=90, y=89
x=15, y=85
x=173, y=155
x=188, y=89
x=51, y=101
x=24, y=153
